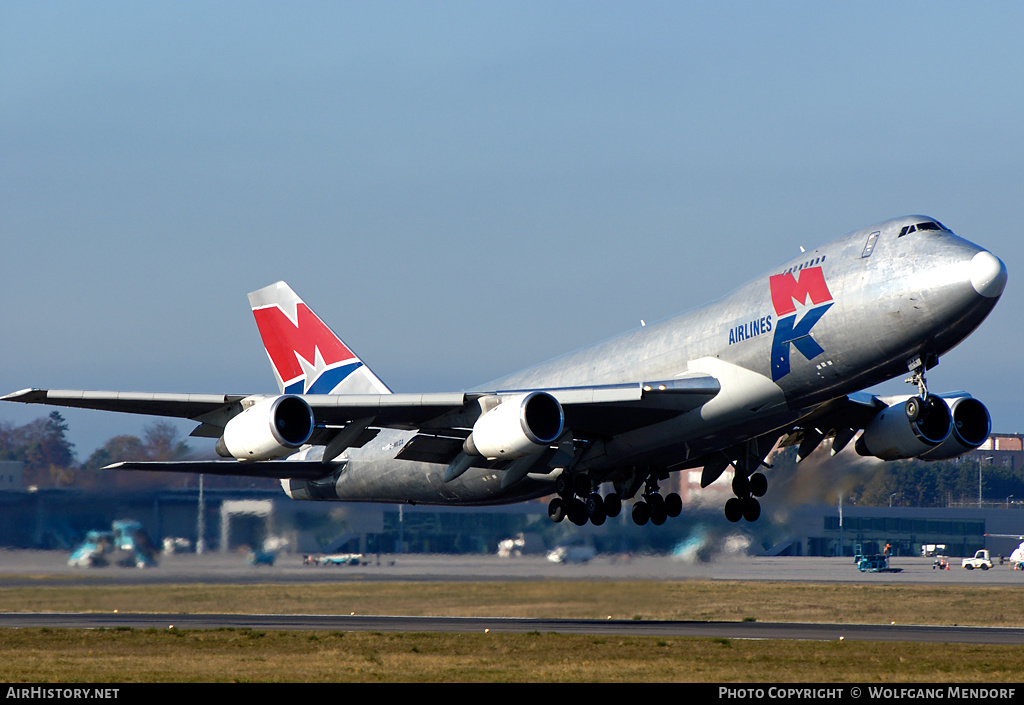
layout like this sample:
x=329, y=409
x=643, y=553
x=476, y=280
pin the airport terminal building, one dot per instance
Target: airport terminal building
x=234, y=519
x=829, y=531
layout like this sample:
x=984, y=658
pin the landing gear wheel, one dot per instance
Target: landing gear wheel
x=740, y=485
x=578, y=512
x=734, y=509
x=563, y=486
x=751, y=509
x=758, y=484
x=673, y=505
x=612, y=505
x=594, y=505
x=641, y=513
x=556, y=510
x=582, y=485
x=657, y=506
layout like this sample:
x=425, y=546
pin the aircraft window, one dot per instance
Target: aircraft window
x=927, y=225
x=869, y=247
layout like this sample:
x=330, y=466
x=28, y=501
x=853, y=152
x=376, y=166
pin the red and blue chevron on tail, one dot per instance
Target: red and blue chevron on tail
x=307, y=357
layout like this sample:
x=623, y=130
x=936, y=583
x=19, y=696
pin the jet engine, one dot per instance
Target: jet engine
x=971, y=426
x=517, y=427
x=906, y=429
x=271, y=428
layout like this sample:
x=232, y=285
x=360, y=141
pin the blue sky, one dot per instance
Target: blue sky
x=462, y=189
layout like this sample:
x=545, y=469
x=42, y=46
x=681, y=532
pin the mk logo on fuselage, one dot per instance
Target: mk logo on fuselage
x=810, y=294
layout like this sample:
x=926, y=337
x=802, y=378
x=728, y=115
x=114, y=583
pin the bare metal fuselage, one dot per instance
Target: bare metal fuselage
x=891, y=299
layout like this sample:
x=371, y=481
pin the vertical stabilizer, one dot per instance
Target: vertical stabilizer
x=307, y=357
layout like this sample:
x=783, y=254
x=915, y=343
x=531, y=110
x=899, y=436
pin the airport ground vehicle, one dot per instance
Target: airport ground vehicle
x=980, y=559
x=126, y=544
x=876, y=563
x=334, y=559
x=92, y=553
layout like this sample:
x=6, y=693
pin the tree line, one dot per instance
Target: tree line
x=914, y=483
x=48, y=457
x=901, y=483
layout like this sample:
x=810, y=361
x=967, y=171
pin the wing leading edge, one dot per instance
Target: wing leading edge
x=593, y=410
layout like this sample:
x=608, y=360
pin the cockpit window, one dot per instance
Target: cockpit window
x=927, y=225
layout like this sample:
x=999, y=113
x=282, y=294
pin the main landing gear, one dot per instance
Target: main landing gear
x=747, y=483
x=580, y=502
x=655, y=508
x=744, y=505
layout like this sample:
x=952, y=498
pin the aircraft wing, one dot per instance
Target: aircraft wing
x=213, y=411
x=840, y=418
x=854, y=410
x=185, y=406
x=274, y=469
x=590, y=411
x=602, y=411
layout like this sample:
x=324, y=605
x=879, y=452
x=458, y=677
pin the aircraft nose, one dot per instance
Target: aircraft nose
x=988, y=274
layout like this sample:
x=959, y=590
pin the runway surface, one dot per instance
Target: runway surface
x=30, y=567
x=20, y=568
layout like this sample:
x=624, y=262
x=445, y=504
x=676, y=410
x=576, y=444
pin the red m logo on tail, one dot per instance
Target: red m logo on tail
x=285, y=340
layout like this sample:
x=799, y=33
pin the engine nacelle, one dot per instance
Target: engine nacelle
x=517, y=427
x=906, y=429
x=971, y=426
x=270, y=428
